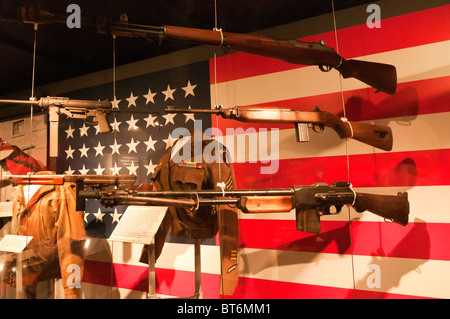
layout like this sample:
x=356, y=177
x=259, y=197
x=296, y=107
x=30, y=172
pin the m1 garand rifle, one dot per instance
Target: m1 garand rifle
x=310, y=202
x=381, y=76
x=81, y=109
x=378, y=136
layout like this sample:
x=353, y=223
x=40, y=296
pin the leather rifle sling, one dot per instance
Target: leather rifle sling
x=228, y=224
x=228, y=237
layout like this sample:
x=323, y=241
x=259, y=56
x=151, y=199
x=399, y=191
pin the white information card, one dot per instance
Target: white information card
x=6, y=209
x=139, y=224
x=14, y=243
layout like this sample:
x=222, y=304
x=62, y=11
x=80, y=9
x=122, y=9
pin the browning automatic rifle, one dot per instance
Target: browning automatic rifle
x=309, y=202
x=381, y=76
x=83, y=109
x=375, y=135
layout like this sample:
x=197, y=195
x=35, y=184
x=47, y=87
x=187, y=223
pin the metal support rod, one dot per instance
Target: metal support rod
x=151, y=271
x=198, y=270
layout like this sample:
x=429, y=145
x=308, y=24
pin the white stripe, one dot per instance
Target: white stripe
x=309, y=81
x=181, y=257
x=297, y=267
x=409, y=276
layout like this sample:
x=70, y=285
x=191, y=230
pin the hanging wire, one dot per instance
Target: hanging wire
x=216, y=28
x=113, y=154
x=114, y=93
x=346, y=148
x=215, y=78
x=27, y=194
x=33, y=75
x=342, y=90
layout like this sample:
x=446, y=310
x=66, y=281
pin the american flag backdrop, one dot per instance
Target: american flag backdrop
x=357, y=255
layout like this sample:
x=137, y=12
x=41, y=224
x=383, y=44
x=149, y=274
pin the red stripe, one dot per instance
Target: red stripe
x=283, y=235
x=120, y=275
x=412, y=99
x=98, y=272
x=427, y=26
x=365, y=294
x=181, y=283
x=250, y=288
x=417, y=240
x=415, y=168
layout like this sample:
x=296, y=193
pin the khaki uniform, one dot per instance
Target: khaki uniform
x=56, y=250
x=206, y=221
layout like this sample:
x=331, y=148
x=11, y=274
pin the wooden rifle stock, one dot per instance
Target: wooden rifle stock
x=266, y=204
x=391, y=208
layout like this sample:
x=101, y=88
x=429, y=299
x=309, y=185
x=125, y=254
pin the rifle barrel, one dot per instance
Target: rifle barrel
x=128, y=27
x=56, y=179
x=7, y=101
x=203, y=193
x=205, y=111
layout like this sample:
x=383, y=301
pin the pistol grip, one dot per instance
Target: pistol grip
x=103, y=123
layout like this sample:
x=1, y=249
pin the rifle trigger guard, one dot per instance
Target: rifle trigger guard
x=325, y=68
x=340, y=63
x=318, y=128
x=236, y=113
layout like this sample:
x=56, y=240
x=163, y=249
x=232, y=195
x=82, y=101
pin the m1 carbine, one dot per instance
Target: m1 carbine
x=83, y=109
x=381, y=76
x=309, y=202
x=378, y=136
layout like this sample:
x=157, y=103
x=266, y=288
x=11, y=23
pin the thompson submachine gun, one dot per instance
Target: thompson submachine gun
x=378, y=136
x=309, y=202
x=82, y=109
x=381, y=76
